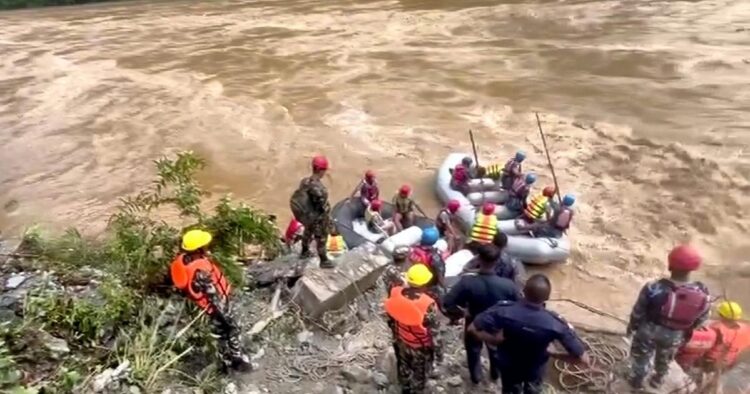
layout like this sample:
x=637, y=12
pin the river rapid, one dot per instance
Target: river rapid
x=646, y=106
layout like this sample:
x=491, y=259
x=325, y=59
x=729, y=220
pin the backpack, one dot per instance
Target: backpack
x=301, y=205
x=683, y=306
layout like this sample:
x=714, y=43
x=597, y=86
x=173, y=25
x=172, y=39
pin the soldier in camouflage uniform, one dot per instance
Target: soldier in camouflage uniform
x=664, y=316
x=317, y=218
x=393, y=275
x=193, y=272
x=418, y=337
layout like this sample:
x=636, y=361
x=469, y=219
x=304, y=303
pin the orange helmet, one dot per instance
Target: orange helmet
x=488, y=208
x=549, y=191
x=684, y=258
x=405, y=190
x=319, y=163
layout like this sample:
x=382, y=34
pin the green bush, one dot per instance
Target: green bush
x=132, y=260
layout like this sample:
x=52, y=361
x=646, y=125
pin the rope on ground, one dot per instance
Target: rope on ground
x=596, y=377
x=591, y=309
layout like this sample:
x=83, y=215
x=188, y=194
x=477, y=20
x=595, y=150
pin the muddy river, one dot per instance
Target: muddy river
x=647, y=107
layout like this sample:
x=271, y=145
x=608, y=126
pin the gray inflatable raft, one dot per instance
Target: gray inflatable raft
x=530, y=250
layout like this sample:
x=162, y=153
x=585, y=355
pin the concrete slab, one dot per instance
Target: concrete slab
x=321, y=290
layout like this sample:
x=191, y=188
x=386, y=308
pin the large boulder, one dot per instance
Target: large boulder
x=321, y=290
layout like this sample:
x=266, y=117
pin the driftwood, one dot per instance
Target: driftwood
x=274, y=312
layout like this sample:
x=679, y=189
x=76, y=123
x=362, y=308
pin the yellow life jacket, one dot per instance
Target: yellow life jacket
x=484, y=229
x=536, y=207
x=335, y=244
x=494, y=171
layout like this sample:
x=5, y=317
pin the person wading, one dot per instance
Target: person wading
x=413, y=318
x=472, y=295
x=310, y=205
x=199, y=279
x=665, y=315
x=523, y=331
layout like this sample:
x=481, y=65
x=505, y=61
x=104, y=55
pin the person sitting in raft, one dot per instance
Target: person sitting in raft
x=375, y=221
x=460, y=179
x=445, y=223
x=403, y=205
x=512, y=170
x=368, y=190
x=484, y=229
x=560, y=221
x=519, y=192
x=335, y=244
x=539, y=210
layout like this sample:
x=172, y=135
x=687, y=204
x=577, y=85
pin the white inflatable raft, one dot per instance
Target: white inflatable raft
x=529, y=250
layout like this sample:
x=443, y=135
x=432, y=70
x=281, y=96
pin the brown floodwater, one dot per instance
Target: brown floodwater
x=647, y=106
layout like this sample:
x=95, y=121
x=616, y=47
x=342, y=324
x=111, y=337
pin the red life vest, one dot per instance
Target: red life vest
x=183, y=274
x=683, y=306
x=294, y=229
x=409, y=317
x=460, y=175
x=370, y=191
x=420, y=255
x=562, y=219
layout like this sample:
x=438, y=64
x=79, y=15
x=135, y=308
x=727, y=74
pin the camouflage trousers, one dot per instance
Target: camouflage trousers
x=224, y=329
x=653, y=340
x=318, y=231
x=414, y=366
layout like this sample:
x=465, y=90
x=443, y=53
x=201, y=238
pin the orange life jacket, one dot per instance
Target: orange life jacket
x=183, y=274
x=335, y=244
x=730, y=342
x=702, y=340
x=409, y=317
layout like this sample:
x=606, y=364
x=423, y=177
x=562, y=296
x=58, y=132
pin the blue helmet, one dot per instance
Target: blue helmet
x=430, y=235
x=520, y=155
x=530, y=178
x=569, y=200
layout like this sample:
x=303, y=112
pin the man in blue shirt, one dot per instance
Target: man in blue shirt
x=472, y=295
x=522, y=331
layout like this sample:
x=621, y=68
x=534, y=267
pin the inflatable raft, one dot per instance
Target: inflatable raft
x=529, y=250
x=346, y=215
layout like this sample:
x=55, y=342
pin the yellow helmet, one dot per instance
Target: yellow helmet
x=195, y=239
x=418, y=275
x=729, y=310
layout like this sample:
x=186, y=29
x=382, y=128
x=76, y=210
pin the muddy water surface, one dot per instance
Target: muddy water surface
x=647, y=106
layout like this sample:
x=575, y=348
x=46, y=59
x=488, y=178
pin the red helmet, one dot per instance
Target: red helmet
x=319, y=163
x=405, y=190
x=684, y=258
x=549, y=191
x=488, y=208
x=453, y=206
x=369, y=175
x=376, y=205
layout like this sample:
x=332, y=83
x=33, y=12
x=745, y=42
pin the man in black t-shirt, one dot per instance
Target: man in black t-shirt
x=472, y=295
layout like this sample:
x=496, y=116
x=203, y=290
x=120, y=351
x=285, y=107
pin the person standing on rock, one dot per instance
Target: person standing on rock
x=197, y=277
x=393, y=275
x=310, y=205
x=413, y=318
x=665, y=315
x=472, y=295
x=523, y=331
x=426, y=254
